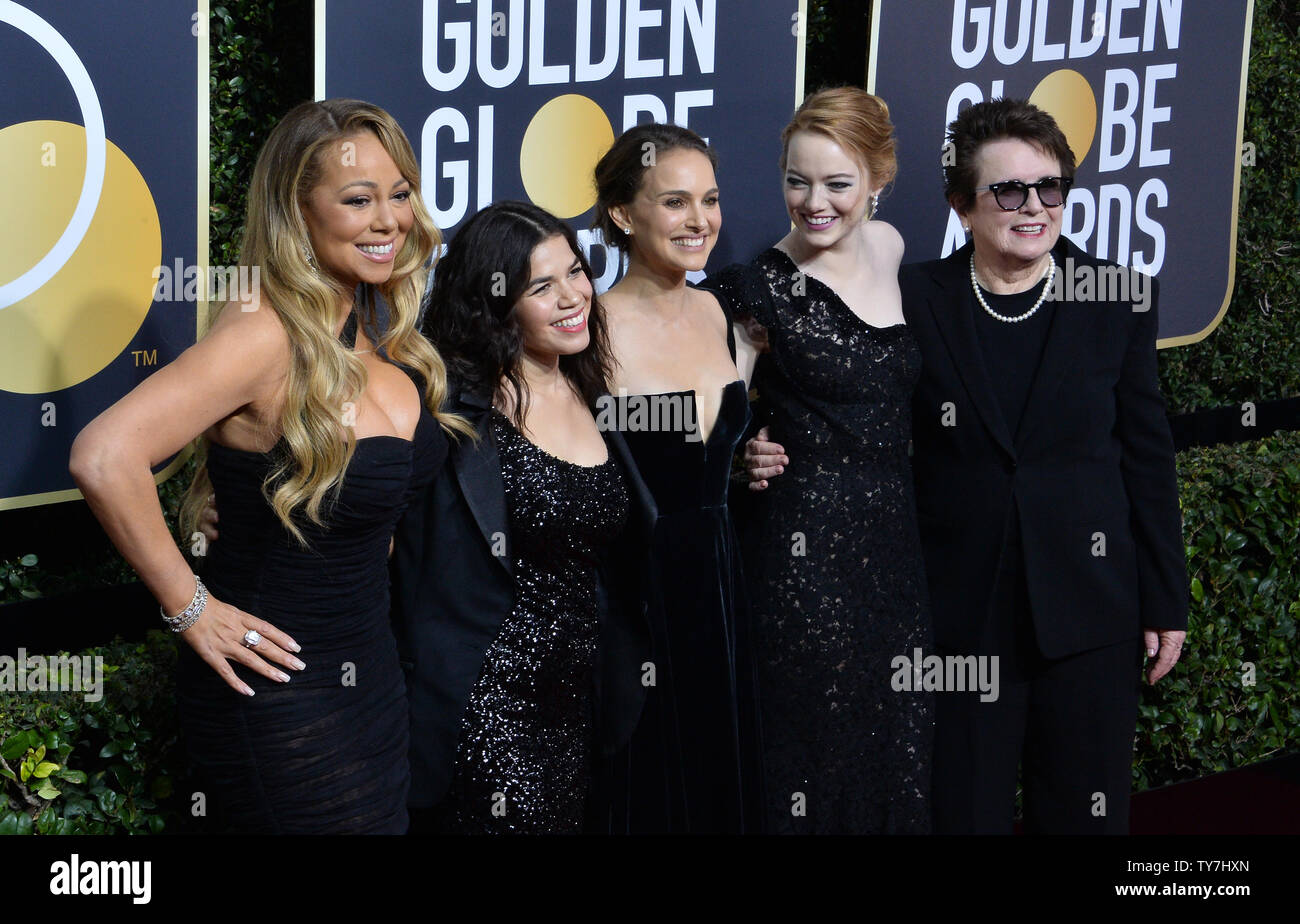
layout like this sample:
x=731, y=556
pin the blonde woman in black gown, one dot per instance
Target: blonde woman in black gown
x=320, y=418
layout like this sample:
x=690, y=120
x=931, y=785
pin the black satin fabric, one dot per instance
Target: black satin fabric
x=693, y=765
x=327, y=751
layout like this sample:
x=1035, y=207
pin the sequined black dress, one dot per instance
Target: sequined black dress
x=325, y=753
x=524, y=758
x=834, y=560
x=694, y=764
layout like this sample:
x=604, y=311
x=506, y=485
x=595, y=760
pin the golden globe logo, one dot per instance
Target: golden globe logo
x=481, y=52
x=1120, y=220
x=80, y=239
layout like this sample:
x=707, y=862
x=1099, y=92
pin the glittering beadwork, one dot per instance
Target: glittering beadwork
x=523, y=760
x=834, y=561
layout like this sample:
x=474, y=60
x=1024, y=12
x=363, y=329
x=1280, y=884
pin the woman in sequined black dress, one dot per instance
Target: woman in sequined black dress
x=837, y=582
x=524, y=657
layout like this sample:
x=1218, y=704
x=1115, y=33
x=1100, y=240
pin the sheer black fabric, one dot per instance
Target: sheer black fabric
x=327, y=751
x=834, y=562
x=524, y=759
x=694, y=764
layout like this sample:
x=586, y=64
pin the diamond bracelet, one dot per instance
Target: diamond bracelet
x=190, y=615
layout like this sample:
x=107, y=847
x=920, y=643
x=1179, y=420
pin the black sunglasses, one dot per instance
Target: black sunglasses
x=1013, y=194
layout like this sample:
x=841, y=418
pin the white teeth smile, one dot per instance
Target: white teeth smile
x=689, y=242
x=376, y=248
x=1028, y=229
x=574, y=321
x=819, y=222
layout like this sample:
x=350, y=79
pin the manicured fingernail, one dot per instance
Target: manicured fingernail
x=282, y=676
x=295, y=647
x=298, y=665
x=1151, y=652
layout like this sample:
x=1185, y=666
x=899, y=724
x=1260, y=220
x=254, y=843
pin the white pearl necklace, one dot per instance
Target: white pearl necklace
x=974, y=284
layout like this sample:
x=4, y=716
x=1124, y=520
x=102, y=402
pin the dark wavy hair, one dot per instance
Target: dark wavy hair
x=997, y=120
x=621, y=171
x=469, y=313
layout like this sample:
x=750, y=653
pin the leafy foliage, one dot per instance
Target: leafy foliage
x=247, y=98
x=1233, y=698
x=68, y=766
x=1254, y=354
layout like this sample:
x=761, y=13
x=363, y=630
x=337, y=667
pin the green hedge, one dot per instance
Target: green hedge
x=68, y=766
x=1254, y=354
x=252, y=85
x=1241, y=526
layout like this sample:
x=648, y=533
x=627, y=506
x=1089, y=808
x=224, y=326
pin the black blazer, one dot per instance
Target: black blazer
x=450, y=594
x=1093, y=455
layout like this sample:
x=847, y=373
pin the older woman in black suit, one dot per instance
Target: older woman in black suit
x=1046, y=491
x=518, y=582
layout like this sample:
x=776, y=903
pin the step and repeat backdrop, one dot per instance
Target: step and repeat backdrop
x=1150, y=93
x=103, y=149
x=103, y=141
x=103, y=138
x=518, y=100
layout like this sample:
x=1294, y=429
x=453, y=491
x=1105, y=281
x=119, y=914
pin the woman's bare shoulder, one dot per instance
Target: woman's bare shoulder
x=885, y=241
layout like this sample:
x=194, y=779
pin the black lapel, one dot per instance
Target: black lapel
x=1062, y=351
x=637, y=490
x=478, y=469
x=953, y=319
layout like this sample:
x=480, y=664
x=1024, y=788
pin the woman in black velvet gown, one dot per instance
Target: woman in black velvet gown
x=833, y=552
x=315, y=445
x=682, y=406
x=518, y=580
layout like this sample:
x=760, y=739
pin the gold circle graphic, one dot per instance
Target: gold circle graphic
x=1067, y=97
x=563, y=142
x=82, y=319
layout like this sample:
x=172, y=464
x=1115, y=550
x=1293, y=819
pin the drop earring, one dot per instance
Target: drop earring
x=875, y=207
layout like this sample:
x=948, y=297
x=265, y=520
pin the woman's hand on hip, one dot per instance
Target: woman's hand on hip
x=223, y=633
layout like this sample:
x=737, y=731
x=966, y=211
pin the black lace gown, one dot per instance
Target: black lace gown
x=834, y=559
x=524, y=759
x=325, y=753
x=694, y=765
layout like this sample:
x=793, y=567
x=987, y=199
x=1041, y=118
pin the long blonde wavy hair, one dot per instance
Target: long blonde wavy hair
x=324, y=375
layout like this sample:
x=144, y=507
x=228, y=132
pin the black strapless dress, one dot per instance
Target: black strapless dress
x=694, y=764
x=524, y=758
x=327, y=751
